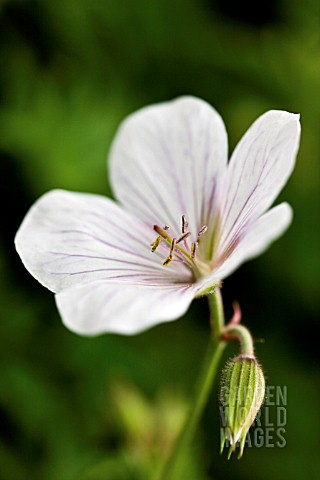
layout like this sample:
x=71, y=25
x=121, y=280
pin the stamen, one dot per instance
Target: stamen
x=170, y=256
x=173, y=244
x=184, y=224
x=155, y=244
x=162, y=232
x=202, y=230
x=183, y=237
x=168, y=260
x=194, y=247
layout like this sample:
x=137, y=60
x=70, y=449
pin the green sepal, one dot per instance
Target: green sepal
x=241, y=396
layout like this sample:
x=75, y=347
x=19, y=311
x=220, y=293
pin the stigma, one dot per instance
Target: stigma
x=180, y=249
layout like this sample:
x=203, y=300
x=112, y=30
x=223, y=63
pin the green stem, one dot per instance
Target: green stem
x=244, y=336
x=174, y=467
x=216, y=313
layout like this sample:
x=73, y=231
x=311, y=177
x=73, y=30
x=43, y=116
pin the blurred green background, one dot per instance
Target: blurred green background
x=109, y=407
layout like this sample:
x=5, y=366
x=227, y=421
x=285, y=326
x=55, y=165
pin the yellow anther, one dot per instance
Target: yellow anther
x=155, y=244
x=168, y=260
x=194, y=247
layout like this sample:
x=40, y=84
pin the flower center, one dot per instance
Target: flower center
x=179, y=248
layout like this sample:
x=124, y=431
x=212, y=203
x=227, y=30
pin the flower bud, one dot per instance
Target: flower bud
x=241, y=396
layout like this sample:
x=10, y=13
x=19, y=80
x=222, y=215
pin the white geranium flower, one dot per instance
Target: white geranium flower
x=202, y=216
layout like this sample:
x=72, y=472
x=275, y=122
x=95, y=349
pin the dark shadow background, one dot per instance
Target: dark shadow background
x=109, y=407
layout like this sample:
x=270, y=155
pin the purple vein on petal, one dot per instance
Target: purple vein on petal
x=158, y=215
x=243, y=169
x=136, y=274
x=104, y=242
x=108, y=259
x=124, y=234
x=150, y=182
x=152, y=264
x=245, y=221
x=175, y=175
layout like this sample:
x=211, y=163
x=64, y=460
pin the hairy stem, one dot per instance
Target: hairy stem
x=242, y=334
x=173, y=469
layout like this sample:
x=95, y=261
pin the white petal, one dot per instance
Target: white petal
x=71, y=238
x=259, y=168
x=102, y=306
x=168, y=160
x=255, y=239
